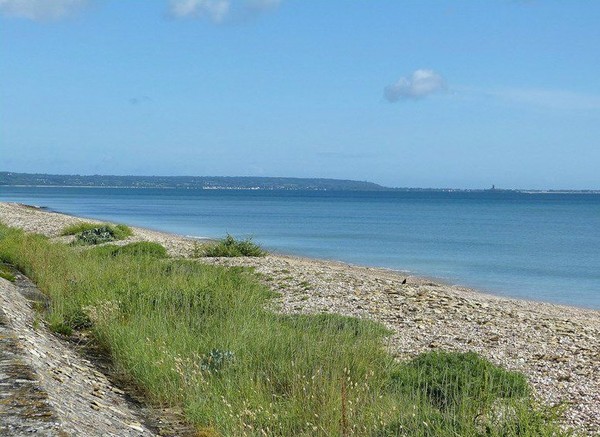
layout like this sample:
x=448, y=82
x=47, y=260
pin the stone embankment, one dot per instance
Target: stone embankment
x=46, y=387
x=556, y=347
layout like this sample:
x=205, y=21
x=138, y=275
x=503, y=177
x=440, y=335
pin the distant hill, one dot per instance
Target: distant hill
x=189, y=182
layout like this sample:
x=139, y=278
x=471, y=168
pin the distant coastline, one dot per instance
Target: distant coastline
x=252, y=183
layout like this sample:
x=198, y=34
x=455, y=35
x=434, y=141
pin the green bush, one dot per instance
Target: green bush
x=93, y=233
x=99, y=235
x=465, y=394
x=102, y=234
x=449, y=380
x=230, y=247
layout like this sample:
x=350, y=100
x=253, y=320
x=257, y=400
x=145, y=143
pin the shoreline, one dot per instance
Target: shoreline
x=415, y=276
x=428, y=280
x=148, y=234
x=556, y=346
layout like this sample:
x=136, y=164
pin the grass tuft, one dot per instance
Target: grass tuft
x=77, y=228
x=230, y=247
x=6, y=273
x=140, y=248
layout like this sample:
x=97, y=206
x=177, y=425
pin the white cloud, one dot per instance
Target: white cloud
x=40, y=10
x=419, y=84
x=219, y=11
x=215, y=10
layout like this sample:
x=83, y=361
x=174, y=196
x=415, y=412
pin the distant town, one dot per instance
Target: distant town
x=223, y=183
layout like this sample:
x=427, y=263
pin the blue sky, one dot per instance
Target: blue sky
x=412, y=93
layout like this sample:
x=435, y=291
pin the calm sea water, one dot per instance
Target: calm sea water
x=535, y=246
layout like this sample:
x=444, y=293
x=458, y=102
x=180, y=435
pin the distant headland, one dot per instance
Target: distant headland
x=225, y=183
x=186, y=182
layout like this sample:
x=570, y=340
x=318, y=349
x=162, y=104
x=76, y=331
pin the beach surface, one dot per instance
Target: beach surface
x=556, y=347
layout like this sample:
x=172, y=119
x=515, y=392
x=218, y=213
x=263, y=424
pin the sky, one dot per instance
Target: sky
x=417, y=93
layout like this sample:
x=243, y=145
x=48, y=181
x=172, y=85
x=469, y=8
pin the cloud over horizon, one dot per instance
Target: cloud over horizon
x=218, y=11
x=40, y=10
x=419, y=84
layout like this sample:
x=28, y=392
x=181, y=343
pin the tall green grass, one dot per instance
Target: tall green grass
x=198, y=337
x=5, y=273
x=231, y=247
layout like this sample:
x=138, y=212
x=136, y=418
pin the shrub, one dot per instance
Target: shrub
x=230, y=247
x=450, y=379
x=95, y=236
x=102, y=234
x=453, y=388
x=119, y=232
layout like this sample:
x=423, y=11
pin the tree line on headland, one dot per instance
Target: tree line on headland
x=189, y=182
x=227, y=183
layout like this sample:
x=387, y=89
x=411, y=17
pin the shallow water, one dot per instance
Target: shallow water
x=534, y=246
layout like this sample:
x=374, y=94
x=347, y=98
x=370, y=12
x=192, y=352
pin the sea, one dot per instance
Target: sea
x=536, y=246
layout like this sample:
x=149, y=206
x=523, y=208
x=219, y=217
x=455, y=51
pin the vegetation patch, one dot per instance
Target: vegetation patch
x=455, y=386
x=199, y=337
x=120, y=231
x=442, y=377
x=139, y=248
x=91, y=233
x=77, y=228
x=230, y=247
x=6, y=273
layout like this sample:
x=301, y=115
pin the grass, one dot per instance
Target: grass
x=94, y=233
x=230, y=247
x=6, y=273
x=140, y=248
x=198, y=337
